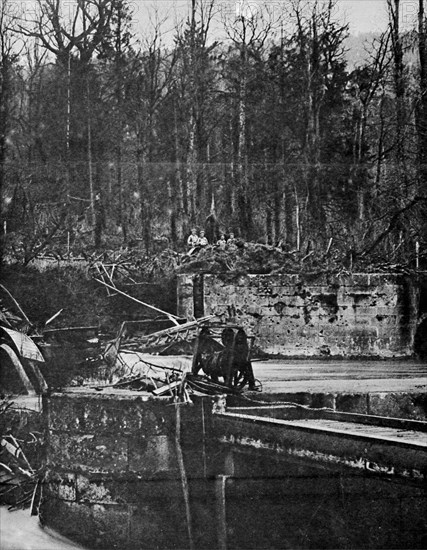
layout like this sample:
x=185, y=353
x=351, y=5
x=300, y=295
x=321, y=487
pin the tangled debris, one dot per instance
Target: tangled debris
x=146, y=361
x=20, y=480
x=245, y=257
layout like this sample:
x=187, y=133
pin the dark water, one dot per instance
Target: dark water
x=269, y=504
x=263, y=505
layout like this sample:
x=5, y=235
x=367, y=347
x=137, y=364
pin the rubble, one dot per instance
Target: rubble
x=146, y=362
x=20, y=480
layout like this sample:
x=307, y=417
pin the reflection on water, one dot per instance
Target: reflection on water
x=264, y=504
x=20, y=531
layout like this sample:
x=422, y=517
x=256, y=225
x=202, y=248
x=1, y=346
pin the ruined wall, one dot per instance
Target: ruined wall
x=311, y=315
x=106, y=455
x=116, y=466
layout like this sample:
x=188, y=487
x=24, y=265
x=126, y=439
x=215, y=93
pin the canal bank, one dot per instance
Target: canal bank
x=393, y=388
x=129, y=471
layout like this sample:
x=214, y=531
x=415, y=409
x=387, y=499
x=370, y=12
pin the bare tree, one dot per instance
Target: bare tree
x=72, y=32
x=422, y=101
x=152, y=78
x=63, y=28
x=319, y=42
x=193, y=63
x=9, y=53
x=248, y=33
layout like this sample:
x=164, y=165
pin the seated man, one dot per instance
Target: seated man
x=221, y=243
x=203, y=241
x=232, y=243
x=193, y=239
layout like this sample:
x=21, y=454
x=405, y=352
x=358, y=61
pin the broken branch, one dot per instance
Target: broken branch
x=170, y=316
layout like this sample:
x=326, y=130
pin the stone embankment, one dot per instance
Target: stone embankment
x=113, y=469
x=127, y=471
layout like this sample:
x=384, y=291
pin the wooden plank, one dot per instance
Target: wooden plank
x=167, y=388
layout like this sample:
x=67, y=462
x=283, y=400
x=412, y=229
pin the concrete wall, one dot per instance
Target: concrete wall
x=311, y=315
x=105, y=455
x=116, y=466
x=113, y=480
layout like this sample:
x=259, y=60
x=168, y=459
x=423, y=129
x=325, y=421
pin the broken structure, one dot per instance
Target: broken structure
x=359, y=314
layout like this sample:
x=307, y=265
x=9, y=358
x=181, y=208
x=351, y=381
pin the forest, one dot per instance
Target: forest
x=109, y=139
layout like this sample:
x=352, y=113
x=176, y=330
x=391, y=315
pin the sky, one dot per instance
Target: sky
x=362, y=15
x=371, y=15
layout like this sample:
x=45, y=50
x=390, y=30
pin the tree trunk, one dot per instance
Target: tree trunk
x=399, y=85
x=422, y=108
x=243, y=200
x=5, y=107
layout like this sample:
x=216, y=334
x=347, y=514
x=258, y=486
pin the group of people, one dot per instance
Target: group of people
x=195, y=241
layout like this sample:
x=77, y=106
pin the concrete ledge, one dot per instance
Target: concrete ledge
x=394, y=405
x=356, y=451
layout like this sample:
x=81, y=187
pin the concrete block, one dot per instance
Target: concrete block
x=151, y=455
x=97, y=414
x=105, y=489
x=356, y=279
x=253, y=310
x=61, y=415
x=287, y=279
x=111, y=524
x=386, y=310
x=320, y=400
x=379, y=279
x=71, y=519
x=352, y=403
x=95, y=453
x=61, y=485
x=252, y=281
x=160, y=522
x=398, y=405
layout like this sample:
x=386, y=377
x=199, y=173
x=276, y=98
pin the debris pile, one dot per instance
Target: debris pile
x=251, y=257
x=146, y=362
x=129, y=266
x=20, y=481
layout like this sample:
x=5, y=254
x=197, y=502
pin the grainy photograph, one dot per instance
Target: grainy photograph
x=213, y=285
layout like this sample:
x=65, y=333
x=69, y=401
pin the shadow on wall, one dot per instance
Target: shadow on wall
x=420, y=339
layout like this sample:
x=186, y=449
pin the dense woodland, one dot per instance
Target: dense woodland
x=108, y=139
